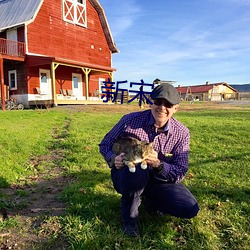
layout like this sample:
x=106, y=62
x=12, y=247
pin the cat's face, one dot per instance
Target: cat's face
x=146, y=148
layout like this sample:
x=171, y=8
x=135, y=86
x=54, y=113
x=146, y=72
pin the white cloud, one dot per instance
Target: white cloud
x=210, y=42
x=123, y=15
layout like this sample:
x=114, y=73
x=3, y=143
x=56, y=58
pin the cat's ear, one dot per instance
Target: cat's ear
x=151, y=144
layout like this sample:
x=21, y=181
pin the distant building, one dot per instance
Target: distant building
x=207, y=92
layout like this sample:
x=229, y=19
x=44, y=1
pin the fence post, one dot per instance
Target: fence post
x=2, y=84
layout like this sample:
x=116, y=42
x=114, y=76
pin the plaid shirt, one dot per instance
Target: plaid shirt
x=172, y=145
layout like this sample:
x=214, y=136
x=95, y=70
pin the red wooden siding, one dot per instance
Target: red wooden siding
x=51, y=36
x=94, y=80
x=33, y=78
x=64, y=78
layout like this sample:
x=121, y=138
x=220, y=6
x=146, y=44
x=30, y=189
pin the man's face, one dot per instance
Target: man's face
x=162, y=111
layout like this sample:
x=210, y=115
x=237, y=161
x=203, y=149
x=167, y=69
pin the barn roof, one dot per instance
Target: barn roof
x=201, y=88
x=18, y=12
x=105, y=25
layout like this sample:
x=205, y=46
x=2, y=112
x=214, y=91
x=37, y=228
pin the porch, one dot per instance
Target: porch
x=11, y=49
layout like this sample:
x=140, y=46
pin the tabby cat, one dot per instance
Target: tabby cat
x=135, y=151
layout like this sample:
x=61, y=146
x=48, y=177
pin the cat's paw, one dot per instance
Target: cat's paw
x=132, y=170
x=144, y=166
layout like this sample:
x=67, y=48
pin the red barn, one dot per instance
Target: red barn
x=56, y=52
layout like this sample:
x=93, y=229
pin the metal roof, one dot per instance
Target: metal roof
x=202, y=88
x=105, y=25
x=17, y=12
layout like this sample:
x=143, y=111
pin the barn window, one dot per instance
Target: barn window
x=43, y=77
x=12, y=80
x=74, y=11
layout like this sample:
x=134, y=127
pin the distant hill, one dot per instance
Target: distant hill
x=241, y=87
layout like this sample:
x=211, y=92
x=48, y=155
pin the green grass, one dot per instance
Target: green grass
x=218, y=176
x=24, y=135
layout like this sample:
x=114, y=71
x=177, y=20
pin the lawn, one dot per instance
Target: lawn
x=218, y=176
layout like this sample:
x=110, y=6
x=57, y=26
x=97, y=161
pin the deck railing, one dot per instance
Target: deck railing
x=12, y=48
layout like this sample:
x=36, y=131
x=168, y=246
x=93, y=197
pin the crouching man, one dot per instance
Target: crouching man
x=159, y=185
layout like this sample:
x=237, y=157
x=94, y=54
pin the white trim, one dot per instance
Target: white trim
x=74, y=12
x=100, y=85
x=15, y=75
x=79, y=93
x=48, y=91
x=32, y=19
x=101, y=80
x=29, y=22
x=105, y=26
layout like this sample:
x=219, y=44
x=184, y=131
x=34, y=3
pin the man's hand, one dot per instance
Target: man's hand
x=153, y=160
x=119, y=161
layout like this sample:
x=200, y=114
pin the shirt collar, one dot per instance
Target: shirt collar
x=167, y=126
x=151, y=122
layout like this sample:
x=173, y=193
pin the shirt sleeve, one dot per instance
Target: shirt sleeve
x=174, y=171
x=106, y=144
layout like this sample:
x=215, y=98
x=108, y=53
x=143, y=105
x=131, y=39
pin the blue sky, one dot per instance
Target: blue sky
x=188, y=41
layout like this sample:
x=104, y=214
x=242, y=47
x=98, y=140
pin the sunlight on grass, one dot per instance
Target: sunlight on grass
x=218, y=177
x=23, y=134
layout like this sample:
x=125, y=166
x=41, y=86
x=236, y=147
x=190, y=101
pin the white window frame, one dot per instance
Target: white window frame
x=47, y=90
x=79, y=77
x=15, y=76
x=74, y=11
x=101, y=84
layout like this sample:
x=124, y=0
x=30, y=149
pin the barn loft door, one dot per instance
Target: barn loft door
x=74, y=11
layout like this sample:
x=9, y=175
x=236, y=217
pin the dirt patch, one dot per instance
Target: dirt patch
x=33, y=206
x=112, y=108
x=30, y=205
x=184, y=106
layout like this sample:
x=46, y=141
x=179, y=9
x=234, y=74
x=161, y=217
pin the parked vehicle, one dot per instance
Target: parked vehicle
x=12, y=104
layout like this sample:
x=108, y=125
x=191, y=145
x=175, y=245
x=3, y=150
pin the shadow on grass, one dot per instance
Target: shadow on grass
x=3, y=182
x=31, y=212
x=94, y=219
x=227, y=210
x=220, y=185
x=224, y=181
x=214, y=159
x=216, y=193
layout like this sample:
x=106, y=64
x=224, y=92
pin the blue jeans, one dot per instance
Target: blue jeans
x=168, y=198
